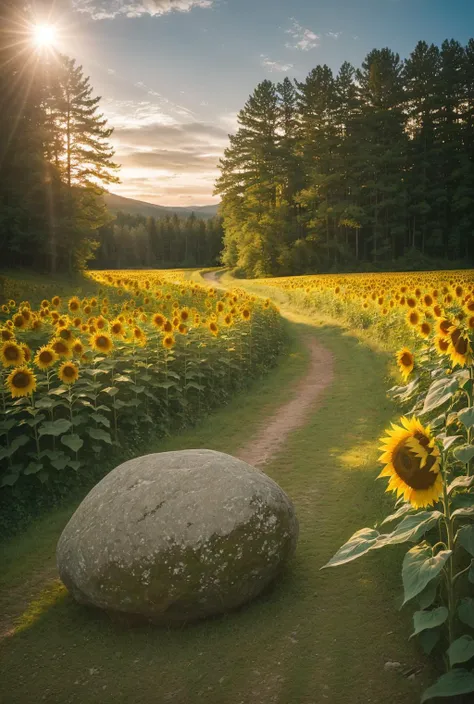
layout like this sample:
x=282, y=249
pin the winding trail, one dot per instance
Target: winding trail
x=261, y=448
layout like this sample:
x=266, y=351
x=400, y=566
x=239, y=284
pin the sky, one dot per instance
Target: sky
x=173, y=74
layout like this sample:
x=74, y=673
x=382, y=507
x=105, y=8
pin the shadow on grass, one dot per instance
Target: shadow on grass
x=315, y=636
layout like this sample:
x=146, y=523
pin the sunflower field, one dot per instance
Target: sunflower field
x=149, y=353
x=427, y=457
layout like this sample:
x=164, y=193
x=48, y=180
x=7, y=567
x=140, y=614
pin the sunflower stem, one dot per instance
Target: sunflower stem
x=450, y=568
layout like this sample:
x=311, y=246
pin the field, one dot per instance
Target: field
x=320, y=635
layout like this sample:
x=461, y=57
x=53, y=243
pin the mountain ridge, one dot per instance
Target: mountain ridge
x=116, y=203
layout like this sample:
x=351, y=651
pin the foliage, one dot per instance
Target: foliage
x=368, y=166
x=55, y=156
x=136, y=241
x=149, y=351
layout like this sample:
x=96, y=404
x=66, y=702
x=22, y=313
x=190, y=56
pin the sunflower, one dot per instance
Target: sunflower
x=424, y=329
x=21, y=382
x=6, y=334
x=12, y=354
x=412, y=462
x=68, y=373
x=139, y=336
x=74, y=304
x=45, y=357
x=19, y=321
x=26, y=352
x=213, y=328
x=442, y=345
x=246, y=314
x=44, y=303
x=117, y=329
x=102, y=342
x=61, y=347
x=158, y=320
x=66, y=335
x=459, y=350
x=443, y=326
x=168, y=326
x=413, y=318
x=406, y=362
x=56, y=301
x=169, y=342
x=228, y=320
x=184, y=315
x=78, y=348
x=182, y=328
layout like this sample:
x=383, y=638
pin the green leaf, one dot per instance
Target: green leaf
x=72, y=441
x=61, y=461
x=460, y=483
x=465, y=537
x=429, y=639
x=98, y=434
x=46, y=403
x=111, y=390
x=466, y=512
x=464, y=454
x=429, y=619
x=439, y=392
x=100, y=418
x=448, y=440
x=466, y=416
x=428, y=595
x=420, y=567
x=58, y=392
x=466, y=611
x=10, y=479
x=405, y=508
x=412, y=528
x=461, y=650
x=33, y=468
x=75, y=464
x=124, y=378
x=453, y=683
x=55, y=427
x=18, y=442
x=359, y=544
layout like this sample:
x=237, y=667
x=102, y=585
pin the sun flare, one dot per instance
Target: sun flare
x=44, y=35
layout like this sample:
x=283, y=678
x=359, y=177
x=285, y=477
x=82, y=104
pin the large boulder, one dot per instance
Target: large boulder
x=177, y=536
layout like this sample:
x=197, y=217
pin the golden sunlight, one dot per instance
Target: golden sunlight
x=44, y=35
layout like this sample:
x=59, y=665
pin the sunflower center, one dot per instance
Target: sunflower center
x=69, y=371
x=408, y=467
x=12, y=353
x=406, y=359
x=21, y=380
x=102, y=341
x=461, y=346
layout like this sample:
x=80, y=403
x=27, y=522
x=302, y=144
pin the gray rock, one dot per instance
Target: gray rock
x=177, y=536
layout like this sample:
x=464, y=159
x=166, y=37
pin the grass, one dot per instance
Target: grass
x=316, y=636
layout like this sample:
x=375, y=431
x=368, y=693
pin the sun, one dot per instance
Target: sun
x=44, y=35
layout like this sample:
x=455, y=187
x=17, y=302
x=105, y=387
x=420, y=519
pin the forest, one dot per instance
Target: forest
x=56, y=161
x=136, y=241
x=372, y=168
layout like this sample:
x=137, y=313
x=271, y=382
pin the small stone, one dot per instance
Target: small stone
x=392, y=666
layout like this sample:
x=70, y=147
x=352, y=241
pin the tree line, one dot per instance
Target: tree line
x=169, y=241
x=369, y=168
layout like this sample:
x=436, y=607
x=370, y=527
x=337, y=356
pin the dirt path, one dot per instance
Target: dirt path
x=271, y=437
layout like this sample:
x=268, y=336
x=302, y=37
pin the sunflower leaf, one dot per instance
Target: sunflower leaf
x=460, y=483
x=405, y=508
x=55, y=427
x=465, y=512
x=428, y=595
x=429, y=619
x=465, y=537
x=448, y=440
x=98, y=434
x=73, y=441
x=466, y=611
x=412, y=528
x=461, y=650
x=359, y=544
x=429, y=639
x=464, y=454
x=453, y=683
x=420, y=566
x=439, y=392
x=466, y=416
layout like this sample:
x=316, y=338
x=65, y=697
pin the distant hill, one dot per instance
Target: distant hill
x=138, y=207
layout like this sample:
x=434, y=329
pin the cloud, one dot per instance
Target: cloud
x=108, y=9
x=333, y=35
x=303, y=38
x=275, y=65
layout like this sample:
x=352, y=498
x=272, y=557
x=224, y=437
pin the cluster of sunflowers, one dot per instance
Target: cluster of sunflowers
x=148, y=348
x=428, y=457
